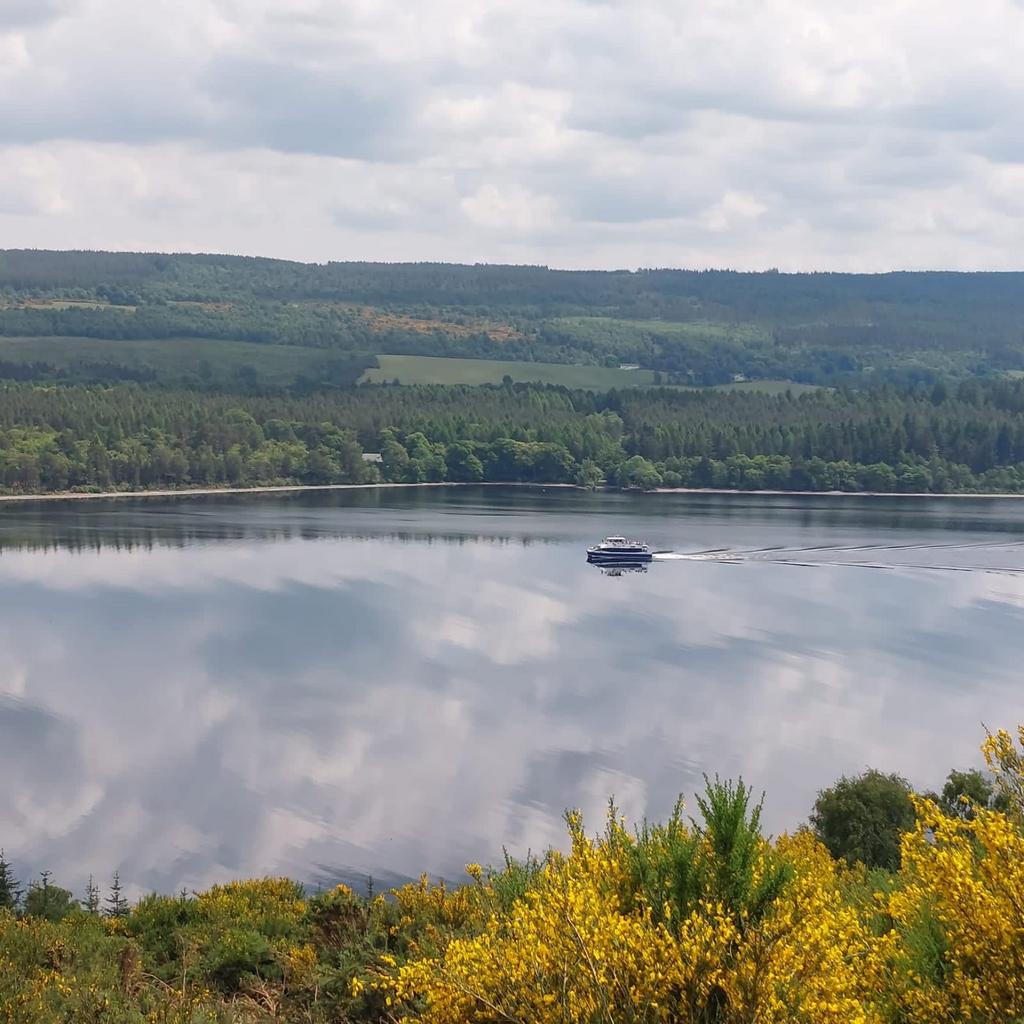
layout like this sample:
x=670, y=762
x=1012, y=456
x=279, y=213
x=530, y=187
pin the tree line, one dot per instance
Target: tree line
x=128, y=436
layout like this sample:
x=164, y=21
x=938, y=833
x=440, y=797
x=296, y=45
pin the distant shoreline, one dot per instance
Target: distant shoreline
x=192, y=492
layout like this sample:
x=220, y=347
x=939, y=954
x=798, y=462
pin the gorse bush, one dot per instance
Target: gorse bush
x=705, y=923
x=698, y=920
x=962, y=881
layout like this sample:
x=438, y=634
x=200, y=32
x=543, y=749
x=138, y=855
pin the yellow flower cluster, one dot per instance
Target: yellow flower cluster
x=259, y=899
x=963, y=887
x=430, y=915
x=572, y=951
x=1006, y=763
x=812, y=958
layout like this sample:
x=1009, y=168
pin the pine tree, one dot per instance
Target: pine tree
x=117, y=905
x=92, y=896
x=10, y=890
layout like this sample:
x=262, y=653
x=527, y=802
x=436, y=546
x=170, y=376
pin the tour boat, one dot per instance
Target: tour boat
x=618, y=549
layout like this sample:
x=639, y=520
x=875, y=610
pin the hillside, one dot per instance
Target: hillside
x=693, y=327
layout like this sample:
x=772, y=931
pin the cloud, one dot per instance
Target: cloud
x=276, y=106
x=565, y=132
x=17, y=13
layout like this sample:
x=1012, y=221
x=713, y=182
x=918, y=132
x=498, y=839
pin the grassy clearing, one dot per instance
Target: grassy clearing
x=65, y=304
x=442, y=370
x=771, y=387
x=610, y=329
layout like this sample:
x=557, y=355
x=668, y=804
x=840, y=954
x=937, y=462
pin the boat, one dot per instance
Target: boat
x=618, y=550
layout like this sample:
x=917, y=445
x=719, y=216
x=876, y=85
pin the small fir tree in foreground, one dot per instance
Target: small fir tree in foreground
x=92, y=896
x=10, y=890
x=117, y=905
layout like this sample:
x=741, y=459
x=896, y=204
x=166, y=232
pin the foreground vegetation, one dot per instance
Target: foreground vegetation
x=128, y=436
x=693, y=922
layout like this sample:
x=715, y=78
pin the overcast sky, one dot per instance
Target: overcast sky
x=801, y=134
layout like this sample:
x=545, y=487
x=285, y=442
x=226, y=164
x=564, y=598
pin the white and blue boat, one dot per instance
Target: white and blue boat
x=618, y=550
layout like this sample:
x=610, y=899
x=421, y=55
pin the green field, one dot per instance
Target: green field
x=770, y=387
x=176, y=359
x=442, y=370
x=208, y=363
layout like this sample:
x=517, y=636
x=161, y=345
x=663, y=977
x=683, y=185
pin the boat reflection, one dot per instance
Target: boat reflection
x=621, y=568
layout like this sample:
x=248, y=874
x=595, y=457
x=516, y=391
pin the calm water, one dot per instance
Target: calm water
x=332, y=686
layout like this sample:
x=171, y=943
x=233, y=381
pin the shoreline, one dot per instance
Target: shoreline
x=192, y=492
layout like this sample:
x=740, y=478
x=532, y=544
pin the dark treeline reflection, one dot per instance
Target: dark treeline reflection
x=138, y=523
x=136, y=540
x=456, y=515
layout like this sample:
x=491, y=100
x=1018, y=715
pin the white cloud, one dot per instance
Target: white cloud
x=787, y=133
x=509, y=209
x=734, y=208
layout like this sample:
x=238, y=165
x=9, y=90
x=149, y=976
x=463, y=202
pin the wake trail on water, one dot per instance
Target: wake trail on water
x=863, y=556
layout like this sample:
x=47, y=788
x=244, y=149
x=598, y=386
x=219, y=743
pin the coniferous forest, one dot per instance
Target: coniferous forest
x=126, y=371
x=131, y=436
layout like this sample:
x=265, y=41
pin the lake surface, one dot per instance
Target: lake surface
x=337, y=685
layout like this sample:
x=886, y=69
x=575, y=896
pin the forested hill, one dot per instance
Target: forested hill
x=785, y=298
x=121, y=370
x=695, y=327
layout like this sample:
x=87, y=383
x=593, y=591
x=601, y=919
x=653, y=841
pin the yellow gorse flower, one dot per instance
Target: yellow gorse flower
x=570, y=950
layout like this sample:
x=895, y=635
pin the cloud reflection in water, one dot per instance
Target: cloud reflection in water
x=331, y=689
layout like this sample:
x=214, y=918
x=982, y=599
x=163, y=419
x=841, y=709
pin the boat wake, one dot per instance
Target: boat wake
x=871, y=556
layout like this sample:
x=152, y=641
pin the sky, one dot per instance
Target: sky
x=797, y=134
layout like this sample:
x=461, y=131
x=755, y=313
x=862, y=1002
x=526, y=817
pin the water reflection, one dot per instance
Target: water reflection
x=621, y=568
x=330, y=687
